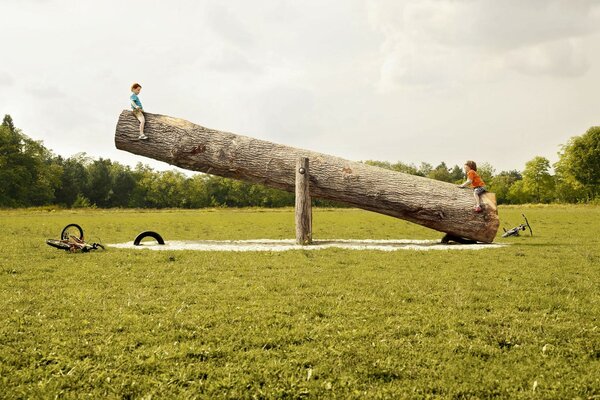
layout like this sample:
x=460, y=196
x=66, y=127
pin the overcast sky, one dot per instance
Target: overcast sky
x=498, y=81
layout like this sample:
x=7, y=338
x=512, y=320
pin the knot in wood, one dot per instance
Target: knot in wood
x=348, y=174
x=201, y=148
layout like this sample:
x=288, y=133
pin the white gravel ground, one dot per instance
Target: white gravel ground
x=289, y=244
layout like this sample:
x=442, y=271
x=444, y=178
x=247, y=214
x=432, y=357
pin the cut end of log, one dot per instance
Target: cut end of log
x=489, y=201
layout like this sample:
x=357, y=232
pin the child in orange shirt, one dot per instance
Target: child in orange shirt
x=476, y=183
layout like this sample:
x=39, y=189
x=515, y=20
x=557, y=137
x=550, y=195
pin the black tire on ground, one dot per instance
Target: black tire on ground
x=457, y=239
x=58, y=244
x=72, y=229
x=146, y=234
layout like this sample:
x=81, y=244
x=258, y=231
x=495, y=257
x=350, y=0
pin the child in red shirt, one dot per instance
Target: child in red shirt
x=476, y=183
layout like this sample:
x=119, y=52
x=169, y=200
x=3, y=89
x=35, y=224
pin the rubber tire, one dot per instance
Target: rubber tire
x=58, y=244
x=146, y=234
x=457, y=239
x=69, y=226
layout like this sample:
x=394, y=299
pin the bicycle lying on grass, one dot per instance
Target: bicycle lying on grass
x=515, y=231
x=71, y=239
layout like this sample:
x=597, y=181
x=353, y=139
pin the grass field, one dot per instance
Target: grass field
x=522, y=321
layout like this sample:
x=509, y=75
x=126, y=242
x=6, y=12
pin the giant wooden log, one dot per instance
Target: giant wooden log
x=434, y=204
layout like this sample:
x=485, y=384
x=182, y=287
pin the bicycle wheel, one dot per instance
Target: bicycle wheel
x=72, y=230
x=59, y=244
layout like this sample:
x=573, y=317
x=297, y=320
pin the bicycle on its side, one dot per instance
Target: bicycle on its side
x=71, y=240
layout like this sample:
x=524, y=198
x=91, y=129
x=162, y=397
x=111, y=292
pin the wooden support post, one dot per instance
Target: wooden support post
x=303, y=203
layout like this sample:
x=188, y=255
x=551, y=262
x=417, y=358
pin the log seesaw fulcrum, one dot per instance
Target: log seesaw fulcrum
x=434, y=204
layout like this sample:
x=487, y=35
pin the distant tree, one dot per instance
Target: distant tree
x=537, y=180
x=281, y=198
x=255, y=195
x=380, y=164
x=74, y=179
x=28, y=174
x=123, y=185
x=398, y=166
x=578, y=168
x=425, y=169
x=11, y=172
x=7, y=122
x=486, y=172
x=195, y=192
x=568, y=189
x=166, y=189
x=518, y=195
x=457, y=174
x=45, y=173
x=405, y=168
x=82, y=202
x=501, y=184
x=440, y=173
x=217, y=190
x=99, y=185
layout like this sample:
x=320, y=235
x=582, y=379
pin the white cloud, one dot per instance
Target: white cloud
x=45, y=91
x=6, y=79
x=441, y=42
x=228, y=25
x=560, y=58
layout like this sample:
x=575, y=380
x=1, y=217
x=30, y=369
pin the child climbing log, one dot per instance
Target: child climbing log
x=437, y=205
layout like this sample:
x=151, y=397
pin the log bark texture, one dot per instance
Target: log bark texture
x=437, y=205
x=303, y=203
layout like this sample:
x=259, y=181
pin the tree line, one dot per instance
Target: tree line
x=32, y=175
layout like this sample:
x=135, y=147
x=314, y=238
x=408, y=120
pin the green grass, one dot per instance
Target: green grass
x=300, y=324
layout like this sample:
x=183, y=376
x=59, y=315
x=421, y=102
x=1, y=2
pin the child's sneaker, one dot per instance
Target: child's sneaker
x=143, y=137
x=477, y=209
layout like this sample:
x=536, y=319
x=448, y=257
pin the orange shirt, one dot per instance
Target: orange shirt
x=475, y=179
